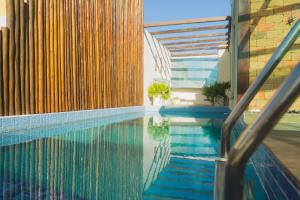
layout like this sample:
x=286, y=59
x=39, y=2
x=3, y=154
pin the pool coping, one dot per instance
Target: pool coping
x=21, y=122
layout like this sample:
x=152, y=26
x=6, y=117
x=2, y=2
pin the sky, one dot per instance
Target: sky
x=165, y=10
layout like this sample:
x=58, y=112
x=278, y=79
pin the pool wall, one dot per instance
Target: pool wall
x=18, y=129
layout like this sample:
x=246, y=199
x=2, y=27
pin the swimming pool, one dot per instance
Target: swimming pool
x=130, y=156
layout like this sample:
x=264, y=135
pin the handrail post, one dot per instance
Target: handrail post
x=253, y=136
x=254, y=88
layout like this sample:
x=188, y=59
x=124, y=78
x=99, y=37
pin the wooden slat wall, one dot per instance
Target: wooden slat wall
x=67, y=55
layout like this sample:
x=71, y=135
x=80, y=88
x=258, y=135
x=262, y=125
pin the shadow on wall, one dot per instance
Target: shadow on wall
x=267, y=27
x=224, y=74
x=160, y=56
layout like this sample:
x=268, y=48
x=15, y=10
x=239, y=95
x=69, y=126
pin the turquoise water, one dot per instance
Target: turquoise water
x=145, y=158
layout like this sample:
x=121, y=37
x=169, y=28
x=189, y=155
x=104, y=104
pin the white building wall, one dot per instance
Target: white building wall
x=2, y=13
x=157, y=64
x=189, y=97
x=194, y=96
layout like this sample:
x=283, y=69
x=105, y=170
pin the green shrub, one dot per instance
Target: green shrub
x=216, y=92
x=159, y=89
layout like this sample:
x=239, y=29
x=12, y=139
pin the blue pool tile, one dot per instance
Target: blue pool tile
x=33, y=121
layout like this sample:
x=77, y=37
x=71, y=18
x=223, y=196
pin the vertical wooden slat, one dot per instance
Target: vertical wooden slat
x=31, y=57
x=93, y=25
x=93, y=52
x=45, y=67
x=47, y=58
x=27, y=63
x=74, y=61
x=59, y=55
x=62, y=60
x=55, y=54
x=17, y=58
x=97, y=54
x=141, y=53
x=1, y=74
x=5, y=69
x=11, y=25
x=22, y=57
x=41, y=56
x=51, y=55
x=67, y=47
x=84, y=85
x=90, y=56
x=36, y=56
x=69, y=56
x=80, y=55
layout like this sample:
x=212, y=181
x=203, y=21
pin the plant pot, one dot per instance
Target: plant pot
x=158, y=101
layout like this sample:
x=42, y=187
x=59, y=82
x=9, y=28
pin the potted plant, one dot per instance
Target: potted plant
x=158, y=93
x=217, y=93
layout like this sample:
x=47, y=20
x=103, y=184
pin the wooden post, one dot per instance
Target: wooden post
x=36, y=56
x=5, y=71
x=11, y=26
x=41, y=56
x=51, y=43
x=22, y=56
x=59, y=56
x=1, y=75
x=27, y=52
x=67, y=61
x=90, y=56
x=47, y=50
x=97, y=55
x=62, y=60
x=31, y=57
x=84, y=86
x=74, y=62
x=56, y=106
x=17, y=58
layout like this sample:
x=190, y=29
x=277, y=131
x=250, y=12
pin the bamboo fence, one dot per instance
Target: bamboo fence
x=69, y=55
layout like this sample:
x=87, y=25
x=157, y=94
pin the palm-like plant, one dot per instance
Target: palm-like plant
x=217, y=91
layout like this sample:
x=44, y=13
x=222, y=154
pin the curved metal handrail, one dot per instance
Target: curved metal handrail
x=230, y=173
x=256, y=85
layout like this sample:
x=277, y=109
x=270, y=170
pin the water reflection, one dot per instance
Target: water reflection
x=125, y=160
x=99, y=163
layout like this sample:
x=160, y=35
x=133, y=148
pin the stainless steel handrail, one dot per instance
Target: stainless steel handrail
x=229, y=174
x=256, y=85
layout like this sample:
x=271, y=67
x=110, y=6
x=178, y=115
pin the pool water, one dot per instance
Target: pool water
x=144, y=158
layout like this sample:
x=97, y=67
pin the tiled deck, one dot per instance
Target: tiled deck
x=284, y=141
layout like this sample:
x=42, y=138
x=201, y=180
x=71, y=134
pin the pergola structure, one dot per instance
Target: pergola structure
x=192, y=37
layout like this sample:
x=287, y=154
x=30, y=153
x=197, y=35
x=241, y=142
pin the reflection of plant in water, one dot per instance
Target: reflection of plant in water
x=160, y=130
